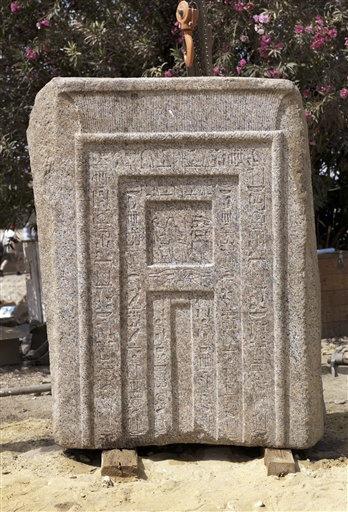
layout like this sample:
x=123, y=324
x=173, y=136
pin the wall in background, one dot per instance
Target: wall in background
x=333, y=270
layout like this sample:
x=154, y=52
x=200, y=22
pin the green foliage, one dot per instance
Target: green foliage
x=42, y=39
x=304, y=42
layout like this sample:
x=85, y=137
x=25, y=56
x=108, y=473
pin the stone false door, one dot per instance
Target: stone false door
x=178, y=257
x=172, y=235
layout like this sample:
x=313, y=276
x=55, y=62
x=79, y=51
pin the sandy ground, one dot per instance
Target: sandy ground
x=38, y=476
x=12, y=288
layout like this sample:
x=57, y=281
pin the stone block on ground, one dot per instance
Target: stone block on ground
x=179, y=262
x=280, y=462
x=123, y=463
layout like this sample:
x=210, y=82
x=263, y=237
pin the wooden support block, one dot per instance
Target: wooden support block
x=279, y=462
x=122, y=463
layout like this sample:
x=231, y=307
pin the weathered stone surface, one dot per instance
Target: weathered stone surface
x=119, y=463
x=179, y=264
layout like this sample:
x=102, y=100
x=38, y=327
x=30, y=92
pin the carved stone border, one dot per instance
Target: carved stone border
x=279, y=286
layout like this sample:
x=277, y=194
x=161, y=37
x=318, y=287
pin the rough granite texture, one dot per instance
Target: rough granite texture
x=179, y=261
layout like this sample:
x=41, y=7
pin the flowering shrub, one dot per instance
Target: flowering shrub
x=307, y=44
x=303, y=42
x=43, y=39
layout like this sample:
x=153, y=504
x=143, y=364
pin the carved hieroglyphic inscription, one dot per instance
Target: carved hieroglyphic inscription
x=104, y=298
x=165, y=281
x=257, y=295
x=179, y=232
x=191, y=335
x=183, y=355
x=161, y=159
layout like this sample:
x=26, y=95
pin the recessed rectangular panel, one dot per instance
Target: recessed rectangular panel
x=180, y=259
x=185, y=247
x=179, y=232
x=181, y=355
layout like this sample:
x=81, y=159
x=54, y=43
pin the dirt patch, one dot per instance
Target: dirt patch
x=24, y=407
x=13, y=288
x=38, y=476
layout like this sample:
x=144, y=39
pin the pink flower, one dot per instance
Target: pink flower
x=273, y=73
x=31, y=54
x=318, y=42
x=346, y=41
x=219, y=71
x=176, y=32
x=15, y=7
x=299, y=29
x=319, y=21
x=175, y=28
x=244, y=38
x=264, y=52
x=308, y=115
x=262, y=18
x=332, y=33
x=264, y=45
x=169, y=73
x=241, y=65
x=306, y=93
x=249, y=6
x=239, y=6
x=309, y=29
x=266, y=40
x=324, y=88
x=344, y=93
x=45, y=23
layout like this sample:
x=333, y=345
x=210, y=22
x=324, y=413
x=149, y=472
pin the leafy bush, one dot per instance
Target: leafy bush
x=304, y=42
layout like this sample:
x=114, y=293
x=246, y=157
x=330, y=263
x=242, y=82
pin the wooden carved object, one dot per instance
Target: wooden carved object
x=187, y=16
